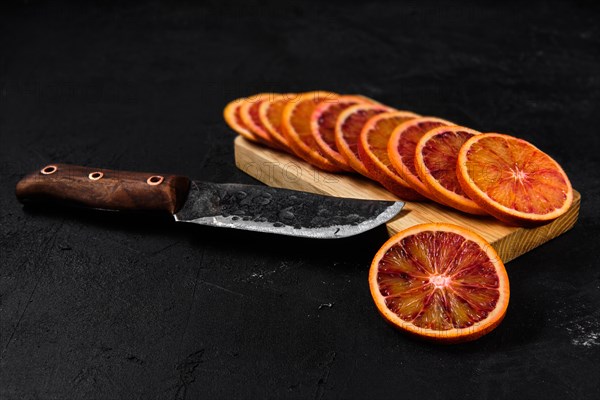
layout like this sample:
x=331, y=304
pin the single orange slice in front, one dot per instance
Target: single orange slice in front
x=513, y=180
x=295, y=124
x=348, y=126
x=440, y=282
x=435, y=161
x=401, y=150
x=372, y=149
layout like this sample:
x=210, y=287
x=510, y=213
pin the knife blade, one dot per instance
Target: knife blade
x=226, y=205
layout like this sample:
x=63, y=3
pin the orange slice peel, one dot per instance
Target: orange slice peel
x=270, y=112
x=323, y=122
x=372, y=149
x=348, y=127
x=233, y=118
x=440, y=282
x=296, y=127
x=249, y=115
x=401, y=150
x=435, y=161
x=513, y=180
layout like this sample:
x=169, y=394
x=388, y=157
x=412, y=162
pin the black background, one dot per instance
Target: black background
x=99, y=306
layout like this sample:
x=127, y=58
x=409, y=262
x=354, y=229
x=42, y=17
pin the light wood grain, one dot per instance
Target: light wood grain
x=278, y=169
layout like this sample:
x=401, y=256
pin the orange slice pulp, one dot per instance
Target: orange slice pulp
x=295, y=123
x=270, y=112
x=440, y=282
x=323, y=122
x=232, y=116
x=513, y=180
x=249, y=114
x=435, y=161
x=348, y=126
x=372, y=149
x=401, y=150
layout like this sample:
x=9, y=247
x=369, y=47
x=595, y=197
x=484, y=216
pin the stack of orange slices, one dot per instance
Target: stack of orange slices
x=437, y=281
x=414, y=157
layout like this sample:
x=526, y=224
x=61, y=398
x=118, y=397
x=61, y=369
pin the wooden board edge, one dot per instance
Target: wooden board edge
x=523, y=239
x=510, y=246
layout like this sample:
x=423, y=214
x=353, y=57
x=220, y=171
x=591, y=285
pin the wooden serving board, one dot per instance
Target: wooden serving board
x=279, y=169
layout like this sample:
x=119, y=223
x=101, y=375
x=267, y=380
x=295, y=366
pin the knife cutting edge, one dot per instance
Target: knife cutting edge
x=227, y=205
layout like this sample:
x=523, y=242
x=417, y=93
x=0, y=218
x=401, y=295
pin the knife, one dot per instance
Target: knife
x=227, y=205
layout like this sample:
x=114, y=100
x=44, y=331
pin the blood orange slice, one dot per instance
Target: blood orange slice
x=295, y=124
x=270, y=112
x=232, y=116
x=440, y=282
x=372, y=149
x=435, y=161
x=322, y=125
x=347, y=132
x=401, y=150
x=250, y=118
x=513, y=180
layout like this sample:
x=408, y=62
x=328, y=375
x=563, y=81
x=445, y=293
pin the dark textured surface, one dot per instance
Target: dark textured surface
x=94, y=306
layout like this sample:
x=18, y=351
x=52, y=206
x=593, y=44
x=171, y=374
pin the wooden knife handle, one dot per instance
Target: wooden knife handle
x=104, y=188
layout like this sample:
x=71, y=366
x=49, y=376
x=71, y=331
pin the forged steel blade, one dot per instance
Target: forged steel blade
x=282, y=211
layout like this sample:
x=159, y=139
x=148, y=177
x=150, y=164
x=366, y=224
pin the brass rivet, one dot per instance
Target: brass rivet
x=155, y=180
x=49, y=169
x=95, y=175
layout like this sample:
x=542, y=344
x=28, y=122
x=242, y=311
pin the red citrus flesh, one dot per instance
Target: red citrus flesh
x=232, y=116
x=249, y=113
x=323, y=123
x=401, y=150
x=347, y=133
x=372, y=149
x=513, y=180
x=436, y=155
x=270, y=113
x=440, y=282
x=295, y=123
